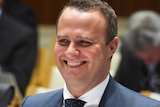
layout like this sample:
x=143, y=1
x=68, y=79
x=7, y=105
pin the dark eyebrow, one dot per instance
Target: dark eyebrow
x=87, y=38
x=79, y=37
x=60, y=36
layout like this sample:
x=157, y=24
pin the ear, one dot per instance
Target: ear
x=112, y=46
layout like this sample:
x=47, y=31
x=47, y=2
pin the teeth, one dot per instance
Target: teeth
x=74, y=63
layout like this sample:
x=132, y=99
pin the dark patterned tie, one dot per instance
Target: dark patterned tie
x=74, y=103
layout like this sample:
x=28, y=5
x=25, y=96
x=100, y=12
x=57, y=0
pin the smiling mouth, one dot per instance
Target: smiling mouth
x=74, y=64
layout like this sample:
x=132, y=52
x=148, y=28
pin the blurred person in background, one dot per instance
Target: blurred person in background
x=18, y=48
x=139, y=68
x=20, y=12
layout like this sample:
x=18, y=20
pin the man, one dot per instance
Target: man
x=18, y=49
x=86, y=40
x=139, y=68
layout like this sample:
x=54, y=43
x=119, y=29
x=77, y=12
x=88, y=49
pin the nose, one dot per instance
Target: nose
x=72, y=51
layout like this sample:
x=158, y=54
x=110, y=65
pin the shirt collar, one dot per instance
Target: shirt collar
x=90, y=97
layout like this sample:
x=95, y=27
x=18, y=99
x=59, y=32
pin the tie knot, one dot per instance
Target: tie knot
x=74, y=103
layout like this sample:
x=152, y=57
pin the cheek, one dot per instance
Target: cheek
x=94, y=54
x=58, y=51
x=91, y=52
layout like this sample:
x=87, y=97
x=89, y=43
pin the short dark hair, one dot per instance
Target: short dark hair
x=103, y=7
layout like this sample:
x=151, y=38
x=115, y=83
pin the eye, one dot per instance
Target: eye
x=63, y=42
x=84, y=43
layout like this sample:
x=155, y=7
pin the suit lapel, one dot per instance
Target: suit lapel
x=56, y=101
x=110, y=96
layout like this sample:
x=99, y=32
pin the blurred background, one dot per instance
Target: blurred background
x=47, y=10
x=45, y=76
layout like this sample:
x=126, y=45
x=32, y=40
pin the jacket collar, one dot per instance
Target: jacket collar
x=110, y=95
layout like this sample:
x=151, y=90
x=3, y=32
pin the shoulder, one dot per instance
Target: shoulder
x=16, y=8
x=9, y=20
x=134, y=99
x=42, y=99
x=11, y=26
x=125, y=97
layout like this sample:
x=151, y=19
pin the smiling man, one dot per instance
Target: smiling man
x=82, y=55
x=85, y=43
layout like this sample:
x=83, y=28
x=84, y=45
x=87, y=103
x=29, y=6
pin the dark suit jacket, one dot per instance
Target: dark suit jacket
x=6, y=94
x=20, y=12
x=132, y=72
x=115, y=95
x=18, y=50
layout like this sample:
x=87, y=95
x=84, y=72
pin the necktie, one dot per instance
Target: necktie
x=74, y=103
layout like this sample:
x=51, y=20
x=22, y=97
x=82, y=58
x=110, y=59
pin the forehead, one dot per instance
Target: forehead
x=150, y=49
x=75, y=22
x=73, y=19
x=74, y=14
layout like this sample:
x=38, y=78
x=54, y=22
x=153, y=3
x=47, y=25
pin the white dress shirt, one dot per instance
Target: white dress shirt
x=92, y=97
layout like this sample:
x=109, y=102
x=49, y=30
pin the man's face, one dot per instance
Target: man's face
x=81, y=54
x=150, y=56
